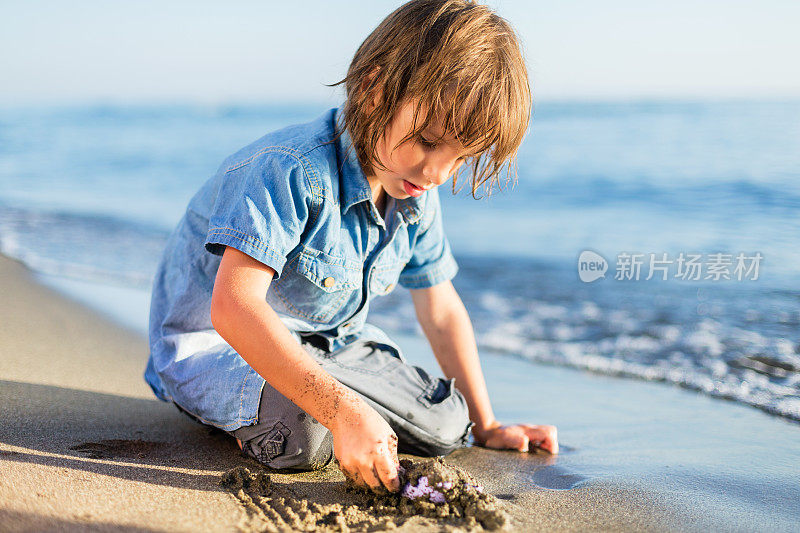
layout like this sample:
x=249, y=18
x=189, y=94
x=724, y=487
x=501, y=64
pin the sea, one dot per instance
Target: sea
x=653, y=240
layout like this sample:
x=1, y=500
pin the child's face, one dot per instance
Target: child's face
x=420, y=163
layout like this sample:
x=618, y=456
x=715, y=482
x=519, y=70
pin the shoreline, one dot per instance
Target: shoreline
x=637, y=455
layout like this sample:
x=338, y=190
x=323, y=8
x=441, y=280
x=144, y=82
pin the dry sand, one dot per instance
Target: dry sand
x=84, y=445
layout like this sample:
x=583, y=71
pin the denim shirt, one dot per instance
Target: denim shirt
x=301, y=204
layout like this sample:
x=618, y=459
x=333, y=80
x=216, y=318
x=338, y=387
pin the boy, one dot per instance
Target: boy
x=270, y=342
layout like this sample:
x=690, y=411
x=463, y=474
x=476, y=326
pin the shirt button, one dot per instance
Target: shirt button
x=328, y=282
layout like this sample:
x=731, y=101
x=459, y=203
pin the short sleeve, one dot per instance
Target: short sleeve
x=261, y=209
x=431, y=261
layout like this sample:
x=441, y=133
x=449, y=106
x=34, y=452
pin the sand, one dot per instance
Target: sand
x=457, y=503
x=84, y=445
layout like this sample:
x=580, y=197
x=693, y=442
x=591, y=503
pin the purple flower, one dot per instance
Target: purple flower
x=422, y=488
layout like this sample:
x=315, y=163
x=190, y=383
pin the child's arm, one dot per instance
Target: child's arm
x=363, y=442
x=447, y=326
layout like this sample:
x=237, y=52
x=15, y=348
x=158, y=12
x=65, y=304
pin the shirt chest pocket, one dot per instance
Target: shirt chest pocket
x=318, y=287
x=384, y=278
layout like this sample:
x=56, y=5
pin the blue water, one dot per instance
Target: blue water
x=91, y=193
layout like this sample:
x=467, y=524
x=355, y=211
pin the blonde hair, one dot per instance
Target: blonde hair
x=455, y=58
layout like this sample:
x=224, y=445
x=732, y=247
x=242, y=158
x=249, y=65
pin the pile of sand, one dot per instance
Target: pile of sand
x=459, y=503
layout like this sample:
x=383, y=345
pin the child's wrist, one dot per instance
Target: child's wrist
x=481, y=430
x=345, y=412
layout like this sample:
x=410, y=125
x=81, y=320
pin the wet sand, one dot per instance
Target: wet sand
x=84, y=445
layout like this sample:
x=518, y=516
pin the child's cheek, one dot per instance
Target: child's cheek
x=412, y=158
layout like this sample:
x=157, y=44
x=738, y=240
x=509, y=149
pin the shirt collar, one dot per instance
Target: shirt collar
x=354, y=185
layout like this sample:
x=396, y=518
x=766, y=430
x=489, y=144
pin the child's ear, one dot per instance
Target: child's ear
x=377, y=91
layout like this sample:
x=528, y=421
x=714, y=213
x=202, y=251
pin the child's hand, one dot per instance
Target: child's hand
x=522, y=437
x=366, y=448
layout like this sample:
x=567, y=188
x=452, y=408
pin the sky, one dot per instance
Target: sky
x=104, y=51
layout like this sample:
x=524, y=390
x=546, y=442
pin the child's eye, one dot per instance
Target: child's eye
x=425, y=142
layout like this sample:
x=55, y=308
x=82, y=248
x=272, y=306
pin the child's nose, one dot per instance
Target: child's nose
x=439, y=171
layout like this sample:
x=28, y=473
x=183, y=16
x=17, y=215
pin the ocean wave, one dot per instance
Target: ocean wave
x=82, y=246
x=738, y=347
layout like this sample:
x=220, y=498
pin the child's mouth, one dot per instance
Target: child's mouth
x=412, y=189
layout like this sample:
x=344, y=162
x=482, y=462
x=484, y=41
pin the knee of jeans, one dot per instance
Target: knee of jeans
x=452, y=428
x=305, y=446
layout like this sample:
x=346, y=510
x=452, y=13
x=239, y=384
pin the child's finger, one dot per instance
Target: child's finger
x=546, y=436
x=354, y=476
x=387, y=472
x=515, y=438
x=509, y=438
x=370, y=477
